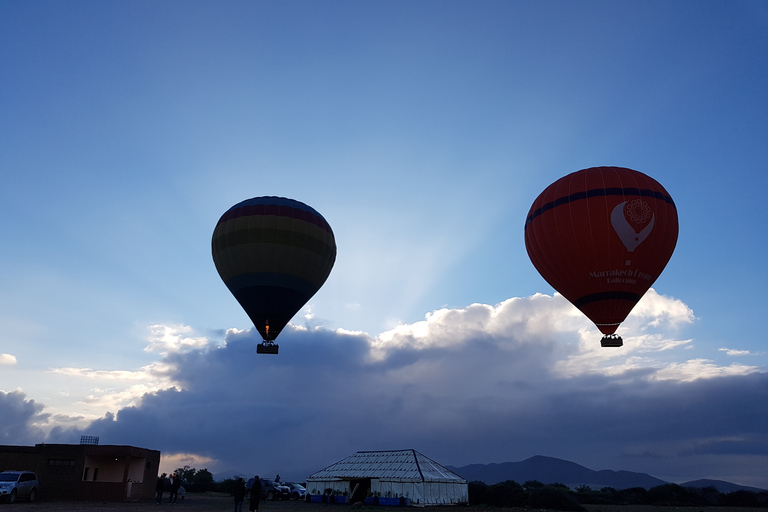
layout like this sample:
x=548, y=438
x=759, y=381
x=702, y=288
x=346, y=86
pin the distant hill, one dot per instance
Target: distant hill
x=720, y=485
x=549, y=470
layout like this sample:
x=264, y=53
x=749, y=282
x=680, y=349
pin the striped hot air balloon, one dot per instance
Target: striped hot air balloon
x=273, y=254
x=601, y=237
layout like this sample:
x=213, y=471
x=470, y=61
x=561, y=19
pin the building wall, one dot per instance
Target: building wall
x=61, y=469
x=418, y=493
x=319, y=486
x=17, y=457
x=424, y=493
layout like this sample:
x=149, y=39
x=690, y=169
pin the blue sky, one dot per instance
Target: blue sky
x=423, y=132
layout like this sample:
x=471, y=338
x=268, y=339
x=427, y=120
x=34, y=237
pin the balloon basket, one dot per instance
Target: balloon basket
x=611, y=340
x=267, y=348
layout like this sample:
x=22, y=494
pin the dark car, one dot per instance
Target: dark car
x=271, y=490
x=18, y=484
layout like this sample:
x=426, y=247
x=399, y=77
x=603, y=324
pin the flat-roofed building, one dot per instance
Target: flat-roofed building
x=86, y=471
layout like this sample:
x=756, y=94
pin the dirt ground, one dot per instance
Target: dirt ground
x=222, y=503
x=192, y=503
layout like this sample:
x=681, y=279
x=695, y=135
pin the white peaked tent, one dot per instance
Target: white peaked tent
x=392, y=474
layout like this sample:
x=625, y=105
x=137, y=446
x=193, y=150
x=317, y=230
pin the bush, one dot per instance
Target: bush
x=226, y=486
x=745, y=499
x=553, y=497
x=477, y=492
x=633, y=496
x=506, y=494
x=603, y=496
x=674, y=495
x=535, y=495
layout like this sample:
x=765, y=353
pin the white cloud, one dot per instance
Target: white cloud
x=116, y=389
x=165, y=339
x=700, y=369
x=550, y=321
x=656, y=310
x=534, y=319
x=7, y=359
x=641, y=348
x=119, y=375
x=111, y=399
x=154, y=376
x=734, y=352
x=345, y=332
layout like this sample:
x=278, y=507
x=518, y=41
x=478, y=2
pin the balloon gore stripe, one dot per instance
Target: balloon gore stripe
x=270, y=236
x=278, y=206
x=598, y=192
x=256, y=279
x=612, y=295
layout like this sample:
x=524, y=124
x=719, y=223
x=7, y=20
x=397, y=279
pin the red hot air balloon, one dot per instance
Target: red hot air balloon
x=601, y=237
x=273, y=254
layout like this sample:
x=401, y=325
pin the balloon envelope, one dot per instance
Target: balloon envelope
x=601, y=237
x=273, y=254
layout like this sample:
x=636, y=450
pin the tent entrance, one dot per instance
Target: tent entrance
x=359, y=489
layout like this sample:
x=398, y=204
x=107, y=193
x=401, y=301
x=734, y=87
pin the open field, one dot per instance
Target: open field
x=222, y=503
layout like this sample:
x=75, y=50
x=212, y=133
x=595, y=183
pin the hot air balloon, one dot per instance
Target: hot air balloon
x=273, y=254
x=601, y=237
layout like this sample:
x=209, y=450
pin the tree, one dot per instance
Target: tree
x=194, y=480
x=674, y=495
x=554, y=497
x=204, y=480
x=186, y=473
x=506, y=494
x=532, y=484
x=633, y=496
x=477, y=492
x=743, y=498
x=227, y=485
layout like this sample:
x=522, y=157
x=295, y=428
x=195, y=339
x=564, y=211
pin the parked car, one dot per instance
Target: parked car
x=18, y=484
x=271, y=490
x=298, y=491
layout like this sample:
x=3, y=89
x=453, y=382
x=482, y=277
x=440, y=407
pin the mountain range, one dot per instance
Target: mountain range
x=549, y=470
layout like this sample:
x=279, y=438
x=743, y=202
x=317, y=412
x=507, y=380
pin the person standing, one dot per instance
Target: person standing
x=239, y=494
x=175, y=484
x=253, y=506
x=159, y=487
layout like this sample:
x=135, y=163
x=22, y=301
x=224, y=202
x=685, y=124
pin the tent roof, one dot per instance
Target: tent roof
x=402, y=465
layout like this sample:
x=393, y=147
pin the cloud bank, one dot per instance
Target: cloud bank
x=479, y=384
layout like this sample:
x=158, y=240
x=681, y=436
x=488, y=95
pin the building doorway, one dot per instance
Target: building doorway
x=359, y=488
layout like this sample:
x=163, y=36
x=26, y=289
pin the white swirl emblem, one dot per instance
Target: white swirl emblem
x=638, y=211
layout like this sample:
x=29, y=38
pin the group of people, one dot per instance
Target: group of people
x=241, y=490
x=174, y=485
